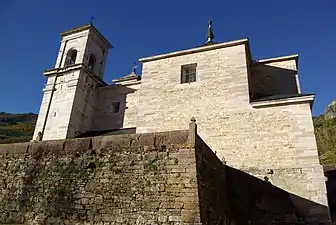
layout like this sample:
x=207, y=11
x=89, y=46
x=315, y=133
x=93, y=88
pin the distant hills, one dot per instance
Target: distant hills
x=20, y=128
x=16, y=127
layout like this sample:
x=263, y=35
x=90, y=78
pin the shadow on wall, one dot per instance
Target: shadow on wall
x=230, y=196
x=268, y=80
x=110, y=112
x=331, y=190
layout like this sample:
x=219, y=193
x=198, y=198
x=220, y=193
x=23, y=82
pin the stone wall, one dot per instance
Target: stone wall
x=136, y=179
x=212, y=186
x=245, y=199
x=164, y=178
x=330, y=174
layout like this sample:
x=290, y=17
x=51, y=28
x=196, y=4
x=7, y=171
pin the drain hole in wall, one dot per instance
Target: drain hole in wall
x=266, y=179
x=91, y=166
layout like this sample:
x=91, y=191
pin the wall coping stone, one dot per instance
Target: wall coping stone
x=152, y=140
x=195, y=50
x=278, y=59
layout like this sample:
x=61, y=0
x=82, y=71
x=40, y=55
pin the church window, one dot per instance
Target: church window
x=71, y=57
x=92, y=62
x=115, y=107
x=188, y=73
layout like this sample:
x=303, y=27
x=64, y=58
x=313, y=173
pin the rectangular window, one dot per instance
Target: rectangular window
x=115, y=107
x=188, y=73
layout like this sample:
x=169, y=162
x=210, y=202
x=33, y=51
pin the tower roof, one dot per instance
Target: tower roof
x=89, y=27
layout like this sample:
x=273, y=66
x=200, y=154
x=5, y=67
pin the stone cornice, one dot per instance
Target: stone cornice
x=284, y=101
x=53, y=71
x=122, y=85
x=79, y=66
x=132, y=76
x=278, y=59
x=92, y=29
x=195, y=50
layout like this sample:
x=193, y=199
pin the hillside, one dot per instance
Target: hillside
x=20, y=128
x=330, y=111
x=16, y=127
x=325, y=131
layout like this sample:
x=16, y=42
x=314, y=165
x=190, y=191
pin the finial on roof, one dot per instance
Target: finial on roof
x=135, y=66
x=210, y=36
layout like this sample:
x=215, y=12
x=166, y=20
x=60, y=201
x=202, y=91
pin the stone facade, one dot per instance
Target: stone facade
x=266, y=134
x=251, y=113
x=125, y=94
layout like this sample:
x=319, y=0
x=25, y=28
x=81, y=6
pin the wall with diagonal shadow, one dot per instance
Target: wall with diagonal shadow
x=231, y=196
x=268, y=79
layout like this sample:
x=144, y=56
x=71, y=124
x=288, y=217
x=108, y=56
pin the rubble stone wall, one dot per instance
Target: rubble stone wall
x=130, y=179
x=166, y=178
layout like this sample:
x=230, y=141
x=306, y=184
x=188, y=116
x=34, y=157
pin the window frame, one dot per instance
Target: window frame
x=188, y=77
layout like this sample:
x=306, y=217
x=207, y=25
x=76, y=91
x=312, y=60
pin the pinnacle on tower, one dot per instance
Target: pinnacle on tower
x=210, y=36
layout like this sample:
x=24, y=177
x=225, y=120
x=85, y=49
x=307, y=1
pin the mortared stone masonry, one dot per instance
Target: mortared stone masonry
x=156, y=178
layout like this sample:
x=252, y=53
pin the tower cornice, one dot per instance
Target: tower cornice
x=67, y=69
x=91, y=28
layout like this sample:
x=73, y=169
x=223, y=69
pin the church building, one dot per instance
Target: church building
x=252, y=113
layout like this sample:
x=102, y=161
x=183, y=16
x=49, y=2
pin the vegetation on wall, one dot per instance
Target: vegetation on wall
x=20, y=128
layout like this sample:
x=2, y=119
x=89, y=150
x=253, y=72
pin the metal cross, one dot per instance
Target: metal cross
x=91, y=19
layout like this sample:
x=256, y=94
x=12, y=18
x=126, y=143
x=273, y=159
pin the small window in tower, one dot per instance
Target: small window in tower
x=71, y=57
x=115, y=107
x=188, y=73
x=92, y=62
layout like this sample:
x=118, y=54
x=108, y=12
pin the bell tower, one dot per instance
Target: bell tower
x=68, y=97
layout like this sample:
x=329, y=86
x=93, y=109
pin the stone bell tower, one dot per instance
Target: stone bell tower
x=68, y=97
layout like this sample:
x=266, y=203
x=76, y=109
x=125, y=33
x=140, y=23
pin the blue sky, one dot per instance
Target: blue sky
x=30, y=39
